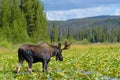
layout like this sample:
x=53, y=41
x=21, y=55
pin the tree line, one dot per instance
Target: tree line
x=22, y=21
x=93, y=30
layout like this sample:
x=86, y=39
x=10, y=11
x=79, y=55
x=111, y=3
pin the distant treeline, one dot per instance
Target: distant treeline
x=22, y=21
x=94, y=29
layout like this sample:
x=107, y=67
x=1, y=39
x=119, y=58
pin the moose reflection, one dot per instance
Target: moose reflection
x=42, y=52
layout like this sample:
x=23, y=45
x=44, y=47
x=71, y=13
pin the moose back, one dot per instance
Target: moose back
x=40, y=53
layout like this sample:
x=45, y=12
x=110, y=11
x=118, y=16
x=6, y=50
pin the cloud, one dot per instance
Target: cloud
x=77, y=4
x=69, y=9
x=117, y=12
x=76, y=13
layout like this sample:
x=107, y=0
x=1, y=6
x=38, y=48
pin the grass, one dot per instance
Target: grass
x=81, y=62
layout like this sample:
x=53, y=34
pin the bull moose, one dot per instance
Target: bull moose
x=40, y=53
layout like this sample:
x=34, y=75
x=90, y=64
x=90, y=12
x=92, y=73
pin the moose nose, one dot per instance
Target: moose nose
x=61, y=59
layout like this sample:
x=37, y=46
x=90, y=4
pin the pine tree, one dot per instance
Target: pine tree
x=5, y=11
x=28, y=9
x=69, y=35
x=18, y=23
x=60, y=34
x=54, y=33
x=41, y=32
x=36, y=19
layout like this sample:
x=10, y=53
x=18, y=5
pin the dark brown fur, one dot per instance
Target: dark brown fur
x=39, y=53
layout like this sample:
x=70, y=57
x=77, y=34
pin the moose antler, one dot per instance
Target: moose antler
x=67, y=45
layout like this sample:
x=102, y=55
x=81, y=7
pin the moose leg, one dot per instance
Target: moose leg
x=29, y=59
x=30, y=66
x=45, y=65
x=19, y=65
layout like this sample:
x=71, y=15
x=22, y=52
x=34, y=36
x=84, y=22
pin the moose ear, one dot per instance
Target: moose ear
x=59, y=45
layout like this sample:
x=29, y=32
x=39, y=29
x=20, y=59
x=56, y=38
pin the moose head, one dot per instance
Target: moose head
x=59, y=50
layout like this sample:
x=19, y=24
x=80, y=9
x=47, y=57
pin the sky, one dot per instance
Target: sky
x=70, y=9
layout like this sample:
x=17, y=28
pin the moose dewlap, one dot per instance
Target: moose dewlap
x=39, y=53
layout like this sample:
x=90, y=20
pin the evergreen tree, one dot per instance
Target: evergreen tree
x=60, y=34
x=28, y=9
x=54, y=33
x=36, y=19
x=18, y=23
x=5, y=11
x=41, y=32
x=69, y=35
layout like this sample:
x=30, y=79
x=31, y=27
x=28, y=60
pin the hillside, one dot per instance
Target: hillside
x=94, y=29
x=89, y=22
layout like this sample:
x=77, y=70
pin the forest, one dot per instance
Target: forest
x=25, y=21
x=22, y=21
x=93, y=29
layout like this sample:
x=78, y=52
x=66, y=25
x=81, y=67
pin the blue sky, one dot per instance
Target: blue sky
x=70, y=9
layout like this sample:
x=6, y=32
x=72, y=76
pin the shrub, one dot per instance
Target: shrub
x=83, y=42
x=5, y=44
